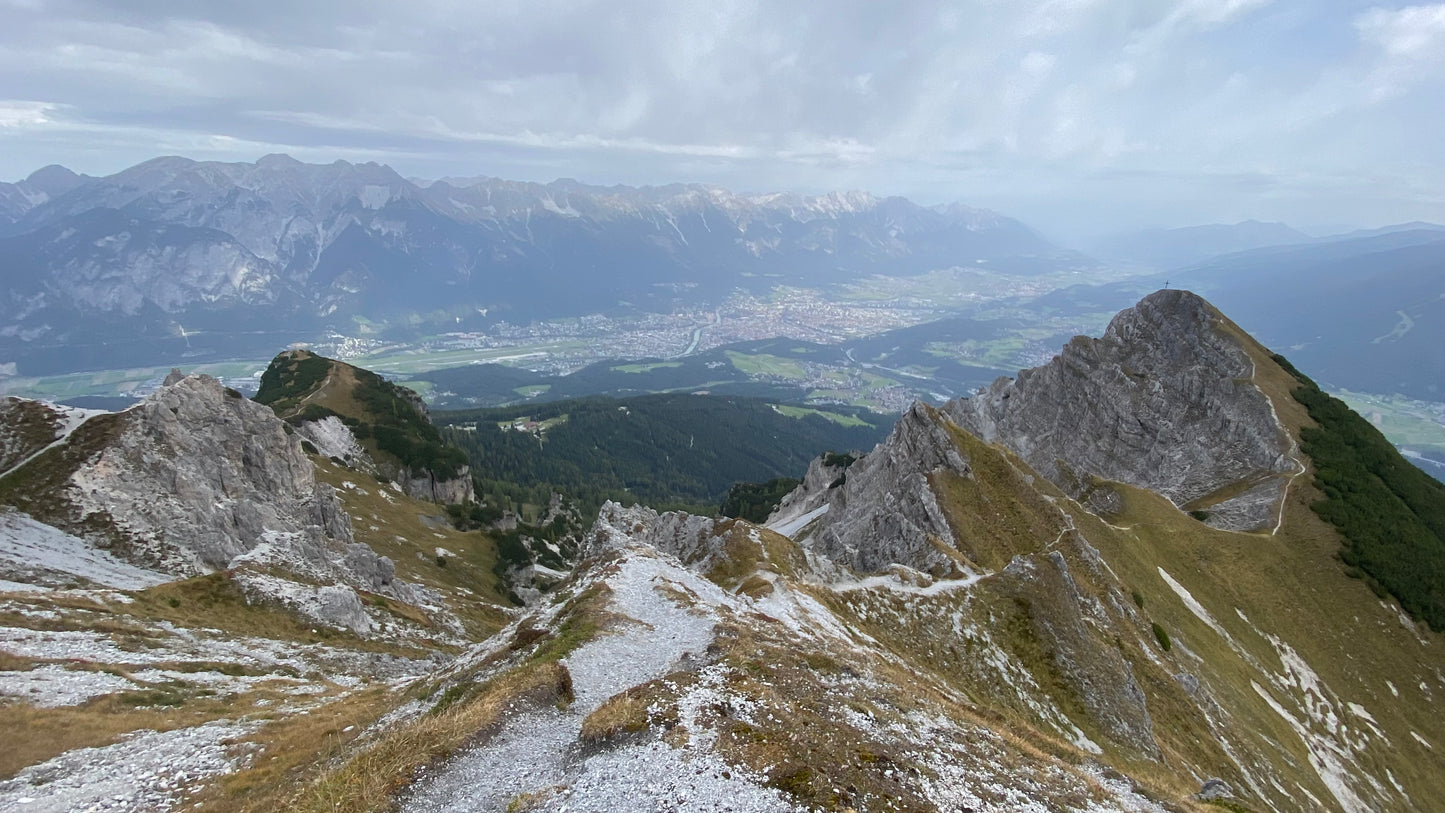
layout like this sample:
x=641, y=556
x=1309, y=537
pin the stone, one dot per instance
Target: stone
x=885, y=511
x=1214, y=788
x=1165, y=400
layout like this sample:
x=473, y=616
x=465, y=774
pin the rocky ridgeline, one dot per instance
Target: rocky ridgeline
x=196, y=479
x=207, y=476
x=1165, y=400
x=882, y=509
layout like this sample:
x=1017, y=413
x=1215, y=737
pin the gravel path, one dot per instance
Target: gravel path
x=533, y=753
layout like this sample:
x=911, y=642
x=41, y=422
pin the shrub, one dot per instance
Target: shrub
x=1162, y=637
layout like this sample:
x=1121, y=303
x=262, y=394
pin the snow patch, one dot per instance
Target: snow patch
x=790, y=527
x=1193, y=604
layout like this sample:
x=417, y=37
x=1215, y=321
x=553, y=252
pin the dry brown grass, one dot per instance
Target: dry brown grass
x=632, y=712
x=293, y=748
x=33, y=735
x=369, y=780
x=16, y=663
x=409, y=531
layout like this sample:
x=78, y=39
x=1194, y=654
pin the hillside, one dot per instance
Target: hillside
x=353, y=413
x=658, y=449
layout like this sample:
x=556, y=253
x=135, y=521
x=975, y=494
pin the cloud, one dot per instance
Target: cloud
x=938, y=101
x=17, y=115
x=1413, y=33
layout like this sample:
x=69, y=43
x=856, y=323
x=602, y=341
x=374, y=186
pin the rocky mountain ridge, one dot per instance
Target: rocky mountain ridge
x=939, y=625
x=1165, y=400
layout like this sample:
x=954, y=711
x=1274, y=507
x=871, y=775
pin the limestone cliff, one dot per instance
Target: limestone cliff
x=192, y=480
x=199, y=475
x=1165, y=400
x=882, y=509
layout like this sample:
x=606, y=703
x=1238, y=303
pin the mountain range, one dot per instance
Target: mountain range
x=174, y=254
x=1161, y=572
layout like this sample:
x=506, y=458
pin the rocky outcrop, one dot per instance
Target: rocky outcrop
x=424, y=485
x=1164, y=400
x=200, y=479
x=885, y=512
x=333, y=438
x=688, y=537
x=825, y=473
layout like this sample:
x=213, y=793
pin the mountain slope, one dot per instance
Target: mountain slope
x=937, y=626
x=944, y=628
x=218, y=248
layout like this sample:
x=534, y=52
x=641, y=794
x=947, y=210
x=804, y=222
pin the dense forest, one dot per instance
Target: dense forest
x=1391, y=513
x=668, y=451
x=755, y=501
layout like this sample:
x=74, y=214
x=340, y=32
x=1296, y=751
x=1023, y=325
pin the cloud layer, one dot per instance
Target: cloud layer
x=1082, y=114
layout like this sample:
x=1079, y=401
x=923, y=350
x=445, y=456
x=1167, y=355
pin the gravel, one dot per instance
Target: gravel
x=51, y=686
x=536, y=751
x=146, y=771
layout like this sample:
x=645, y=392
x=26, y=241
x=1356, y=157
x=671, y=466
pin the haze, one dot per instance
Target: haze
x=1079, y=116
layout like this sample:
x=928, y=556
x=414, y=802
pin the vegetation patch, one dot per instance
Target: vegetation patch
x=754, y=502
x=630, y=713
x=669, y=451
x=1162, y=636
x=1390, y=513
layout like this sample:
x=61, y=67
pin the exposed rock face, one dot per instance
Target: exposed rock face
x=812, y=493
x=199, y=476
x=333, y=438
x=424, y=485
x=1165, y=400
x=885, y=511
x=690, y=538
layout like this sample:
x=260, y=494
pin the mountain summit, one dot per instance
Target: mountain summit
x=1140, y=577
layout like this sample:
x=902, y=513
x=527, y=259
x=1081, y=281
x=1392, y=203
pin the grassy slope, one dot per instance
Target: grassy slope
x=410, y=531
x=308, y=385
x=1291, y=586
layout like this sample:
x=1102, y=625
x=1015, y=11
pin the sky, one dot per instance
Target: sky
x=1079, y=116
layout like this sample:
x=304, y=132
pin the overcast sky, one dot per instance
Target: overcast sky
x=1077, y=115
